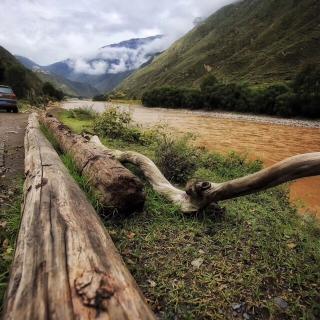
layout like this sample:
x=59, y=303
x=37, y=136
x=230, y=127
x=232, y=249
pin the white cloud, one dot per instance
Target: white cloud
x=52, y=30
x=116, y=59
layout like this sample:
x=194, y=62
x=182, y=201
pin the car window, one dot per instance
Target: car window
x=5, y=90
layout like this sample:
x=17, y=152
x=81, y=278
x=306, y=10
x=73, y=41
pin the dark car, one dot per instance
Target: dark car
x=8, y=99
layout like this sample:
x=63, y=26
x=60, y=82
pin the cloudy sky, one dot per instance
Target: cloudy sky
x=47, y=31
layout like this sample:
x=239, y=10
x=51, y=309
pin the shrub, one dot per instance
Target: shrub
x=81, y=113
x=310, y=106
x=49, y=90
x=100, y=97
x=288, y=104
x=192, y=99
x=266, y=100
x=307, y=82
x=117, y=124
x=231, y=97
x=176, y=158
x=209, y=83
x=302, y=99
x=163, y=97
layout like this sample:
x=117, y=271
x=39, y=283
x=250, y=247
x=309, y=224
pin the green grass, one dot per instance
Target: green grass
x=10, y=217
x=254, y=250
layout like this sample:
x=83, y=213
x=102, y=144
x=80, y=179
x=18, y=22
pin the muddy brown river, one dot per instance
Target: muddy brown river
x=265, y=138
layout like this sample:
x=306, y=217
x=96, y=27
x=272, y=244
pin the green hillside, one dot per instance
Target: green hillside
x=256, y=41
x=24, y=82
x=70, y=88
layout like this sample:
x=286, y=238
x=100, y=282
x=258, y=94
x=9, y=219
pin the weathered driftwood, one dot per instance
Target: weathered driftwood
x=200, y=194
x=66, y=265
x=117, y=187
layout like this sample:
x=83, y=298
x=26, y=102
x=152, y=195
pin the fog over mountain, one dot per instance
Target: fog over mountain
x=103, y=69
x=53, y=30
x=115, y=58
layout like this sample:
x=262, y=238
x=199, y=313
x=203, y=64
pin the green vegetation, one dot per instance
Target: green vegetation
x=100, y=97
x=115, y=124
x=53, y=93
x=23, y=81
x=301, y=98
x=10, y=216
x=256, y=41
x=81, y=113
x=254, y=258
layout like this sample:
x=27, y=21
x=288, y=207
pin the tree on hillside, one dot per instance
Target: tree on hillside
x=308, y=80
x=15, y=75
x=2, y=72
x=49, y=90
x=209, y=83
x=307, y=86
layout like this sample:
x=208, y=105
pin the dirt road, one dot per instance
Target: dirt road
x=12, y=127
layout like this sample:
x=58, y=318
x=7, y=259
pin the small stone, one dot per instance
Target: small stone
x=201, y=251
x=152, y=284
x=10, y=193
x=197, y=263
x=236, y=306
x=281, y=303
x=246, y=316
x=3, y=224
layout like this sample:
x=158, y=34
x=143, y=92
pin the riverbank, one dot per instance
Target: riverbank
x=255, y=259
x=292, y=122
x=259, y=138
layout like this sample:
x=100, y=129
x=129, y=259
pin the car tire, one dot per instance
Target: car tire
x=15, y=110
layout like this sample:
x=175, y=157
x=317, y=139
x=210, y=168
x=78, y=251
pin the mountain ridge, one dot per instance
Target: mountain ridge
x=72, y=82
x=256, y=41
x=13, y=73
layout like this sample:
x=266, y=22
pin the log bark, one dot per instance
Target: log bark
x=65, y=265
x=200, y=194
x=117, y=187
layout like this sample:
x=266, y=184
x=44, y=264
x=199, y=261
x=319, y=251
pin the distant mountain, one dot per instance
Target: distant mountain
x=71, y=88
x=31, y=65
x=257, y=41
x=102, y=72
x=13, y=73
x=134, y=43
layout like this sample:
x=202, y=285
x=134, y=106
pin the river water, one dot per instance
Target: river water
x=265, y=138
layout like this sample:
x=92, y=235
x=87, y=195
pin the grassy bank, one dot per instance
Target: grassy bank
x=10, y=217
x=254, y=259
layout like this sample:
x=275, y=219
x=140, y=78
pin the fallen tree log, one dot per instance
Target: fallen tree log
x=117, y=187
x=65, y=265
x=200, y=194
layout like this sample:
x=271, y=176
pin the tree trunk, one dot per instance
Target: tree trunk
x=117, y=187
x=200, y=194
x=66, y=265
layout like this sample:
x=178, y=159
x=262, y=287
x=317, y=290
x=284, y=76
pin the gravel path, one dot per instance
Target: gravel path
x=12, y=127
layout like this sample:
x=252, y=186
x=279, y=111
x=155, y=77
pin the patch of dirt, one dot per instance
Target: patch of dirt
x=12, y=129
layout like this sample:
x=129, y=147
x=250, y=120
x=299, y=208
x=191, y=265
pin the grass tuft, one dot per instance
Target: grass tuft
x=10, y=218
